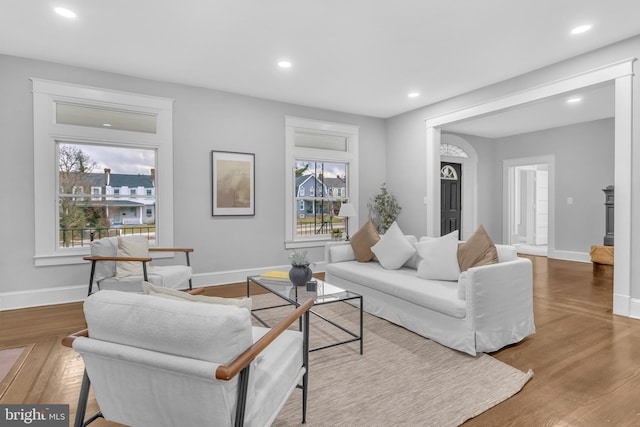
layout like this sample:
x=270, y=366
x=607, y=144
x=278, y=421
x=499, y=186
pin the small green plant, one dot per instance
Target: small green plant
x=336, y=233
x=383, y=209
x=299, y=258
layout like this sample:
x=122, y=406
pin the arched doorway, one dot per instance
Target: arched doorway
x=455, y=149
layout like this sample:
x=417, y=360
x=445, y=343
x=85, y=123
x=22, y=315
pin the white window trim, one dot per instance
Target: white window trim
x=293, y=124
x=47, y=133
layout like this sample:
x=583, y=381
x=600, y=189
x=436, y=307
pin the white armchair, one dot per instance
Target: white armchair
x=154, y=361
x=121, y=263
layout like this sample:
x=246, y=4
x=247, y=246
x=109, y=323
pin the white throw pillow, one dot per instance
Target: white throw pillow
x=159, y=291
x=134, y=247
x=439, y=258
x=412, y=262
x=107, y=247
x=393, y=249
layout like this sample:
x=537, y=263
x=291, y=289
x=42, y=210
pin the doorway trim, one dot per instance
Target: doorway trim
x=621, y=73
x=507, y=185
x=469, y=181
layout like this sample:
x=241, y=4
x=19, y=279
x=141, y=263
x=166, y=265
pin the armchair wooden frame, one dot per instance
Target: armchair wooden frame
x=240, y=365
x=144, y=261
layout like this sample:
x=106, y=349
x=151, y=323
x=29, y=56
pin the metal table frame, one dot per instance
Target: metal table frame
x=324, y=299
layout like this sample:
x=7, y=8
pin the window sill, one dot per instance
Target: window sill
x=59, y=259
x=306, y=244
x=76, y=258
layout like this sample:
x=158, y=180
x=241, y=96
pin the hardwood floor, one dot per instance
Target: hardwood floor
x=586, y=360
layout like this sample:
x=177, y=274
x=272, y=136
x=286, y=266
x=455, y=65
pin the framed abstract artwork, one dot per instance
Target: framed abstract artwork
x=232, y=183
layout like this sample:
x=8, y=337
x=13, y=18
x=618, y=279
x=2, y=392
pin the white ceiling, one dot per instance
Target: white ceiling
x=357, y=56
x=597, y=102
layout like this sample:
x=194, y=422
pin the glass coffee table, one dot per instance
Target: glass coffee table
x=324, y=293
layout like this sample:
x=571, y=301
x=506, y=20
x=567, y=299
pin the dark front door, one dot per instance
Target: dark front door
x=450, y=197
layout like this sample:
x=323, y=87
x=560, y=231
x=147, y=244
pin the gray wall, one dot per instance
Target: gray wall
x=392, y=150
x=584, y=165
x=204, y=120
x=406, y=148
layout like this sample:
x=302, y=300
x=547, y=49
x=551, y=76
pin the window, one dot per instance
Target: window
x=322, y=173
x=83, y=137
x=450, y=150
x=448, y=172
x=84, y=165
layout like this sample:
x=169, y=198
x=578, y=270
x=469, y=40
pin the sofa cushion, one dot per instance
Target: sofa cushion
x=439, y=258
x=393, y=249
x=210, y=332
x=167, y=276
x=478, y=250
x=150, y=289
x=275, y=372
x=135, y=247
x=362, y=241
x=437, y=295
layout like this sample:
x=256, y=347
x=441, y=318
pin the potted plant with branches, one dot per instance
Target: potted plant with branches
x=383, y=209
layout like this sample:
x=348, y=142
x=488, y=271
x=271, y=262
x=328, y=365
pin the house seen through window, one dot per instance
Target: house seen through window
x=320, y=188
x=122, y=200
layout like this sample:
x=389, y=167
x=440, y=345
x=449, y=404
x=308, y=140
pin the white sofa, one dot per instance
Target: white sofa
x=487, y=308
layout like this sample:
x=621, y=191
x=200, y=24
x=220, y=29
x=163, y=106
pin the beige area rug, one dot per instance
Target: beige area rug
x=11, y=361
x=402, y=379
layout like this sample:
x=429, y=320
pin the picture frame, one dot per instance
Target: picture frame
x=232, y=183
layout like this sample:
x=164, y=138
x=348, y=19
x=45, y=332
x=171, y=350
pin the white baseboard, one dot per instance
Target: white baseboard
x=74, y=293
x=43, y=296
x=569, y=255
x=634, y=308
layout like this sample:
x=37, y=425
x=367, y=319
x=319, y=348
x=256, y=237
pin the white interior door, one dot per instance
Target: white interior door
x=541, y=207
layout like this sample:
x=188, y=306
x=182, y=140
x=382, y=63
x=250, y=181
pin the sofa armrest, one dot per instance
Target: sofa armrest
x=327, y=251
x=500, y=294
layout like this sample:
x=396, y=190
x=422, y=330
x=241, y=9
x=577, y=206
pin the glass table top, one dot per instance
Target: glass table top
x=323, y=294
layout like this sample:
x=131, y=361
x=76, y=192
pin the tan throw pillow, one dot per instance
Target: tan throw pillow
x=158, y=291
x=362, y=241
x=133, y=247
x=478, y=250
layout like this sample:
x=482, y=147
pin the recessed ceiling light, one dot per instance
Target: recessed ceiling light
x=284, y=64
x=65, y=12
x=107, y=125
x=574, y=100
x=414, y=94
x=581, y=29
